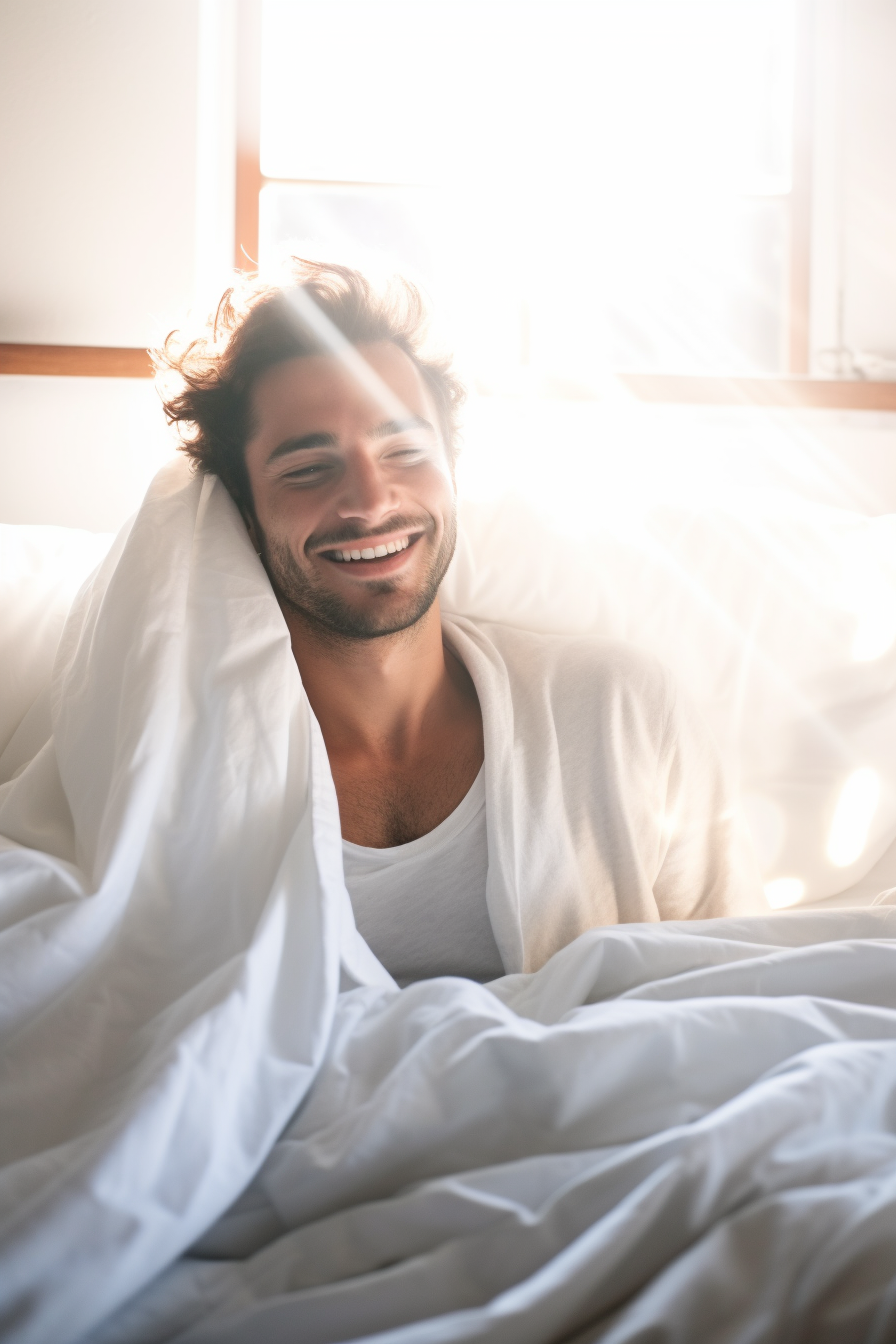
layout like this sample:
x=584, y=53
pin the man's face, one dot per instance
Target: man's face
x=353, y=493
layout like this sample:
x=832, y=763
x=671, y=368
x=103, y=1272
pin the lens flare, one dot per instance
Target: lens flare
x=784, y=891
x=853, y=816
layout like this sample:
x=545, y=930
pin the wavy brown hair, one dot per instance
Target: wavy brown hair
x=255, y=327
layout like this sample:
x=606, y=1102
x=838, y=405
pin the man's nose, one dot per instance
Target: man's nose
x=366, y=489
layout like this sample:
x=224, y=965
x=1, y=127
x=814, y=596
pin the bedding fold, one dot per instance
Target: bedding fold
x=167, y=995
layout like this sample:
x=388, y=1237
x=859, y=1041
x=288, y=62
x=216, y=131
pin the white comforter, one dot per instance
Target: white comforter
x=673, y=1132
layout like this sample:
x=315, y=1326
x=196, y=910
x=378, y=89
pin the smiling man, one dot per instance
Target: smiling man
x=499, y=792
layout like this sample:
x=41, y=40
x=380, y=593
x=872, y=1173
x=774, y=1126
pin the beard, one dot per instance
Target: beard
x=366, y=618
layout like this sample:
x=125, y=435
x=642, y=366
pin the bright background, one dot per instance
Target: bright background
x=580, y=185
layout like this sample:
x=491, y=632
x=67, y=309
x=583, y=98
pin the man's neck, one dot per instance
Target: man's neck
x=379, y=697
x=401, y=723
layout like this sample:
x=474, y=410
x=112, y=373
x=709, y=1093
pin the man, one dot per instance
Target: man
x=499, y=792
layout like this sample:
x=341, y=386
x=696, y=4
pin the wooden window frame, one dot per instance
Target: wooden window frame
x=797, y=390
x=75, y=361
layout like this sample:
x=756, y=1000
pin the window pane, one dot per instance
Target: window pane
x=436, y=90
x=579, y=183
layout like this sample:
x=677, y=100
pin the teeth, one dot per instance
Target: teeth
x=375, y=552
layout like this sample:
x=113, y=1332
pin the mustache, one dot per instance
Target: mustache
x=321, y=541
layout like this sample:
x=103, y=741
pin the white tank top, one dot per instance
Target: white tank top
x=421, y=906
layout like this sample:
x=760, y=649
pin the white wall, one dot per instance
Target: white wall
x=78, y=452
x=98, y=117
x=615, y=458
x=117, y=167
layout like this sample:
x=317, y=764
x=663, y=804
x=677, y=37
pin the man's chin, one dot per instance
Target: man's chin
x=382, y=610
x=341, y=621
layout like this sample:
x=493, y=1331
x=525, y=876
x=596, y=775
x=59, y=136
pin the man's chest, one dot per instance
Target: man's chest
x=382, y=803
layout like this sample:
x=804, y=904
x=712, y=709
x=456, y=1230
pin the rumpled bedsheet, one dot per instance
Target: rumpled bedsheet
x=221, y=1121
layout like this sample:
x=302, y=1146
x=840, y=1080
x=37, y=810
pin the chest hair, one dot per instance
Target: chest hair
x=385, y=807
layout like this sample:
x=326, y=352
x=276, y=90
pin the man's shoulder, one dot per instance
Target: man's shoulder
x=572, y=661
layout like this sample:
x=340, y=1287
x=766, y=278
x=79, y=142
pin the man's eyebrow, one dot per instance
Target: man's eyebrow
x=318, y=440
x=390, y=427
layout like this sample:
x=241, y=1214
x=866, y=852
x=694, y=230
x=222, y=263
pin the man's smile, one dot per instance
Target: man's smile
x=372, y=552
x=375, y=555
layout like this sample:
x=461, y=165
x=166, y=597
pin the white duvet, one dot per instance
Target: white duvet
x=219, y=1120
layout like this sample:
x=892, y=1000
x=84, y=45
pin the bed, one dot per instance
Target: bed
x=222, y=1121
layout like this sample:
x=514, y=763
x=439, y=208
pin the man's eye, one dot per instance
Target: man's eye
x=307, y=475
x=409, y=451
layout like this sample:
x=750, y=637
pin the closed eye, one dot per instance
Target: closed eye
x=309, y=474
x=410, y=450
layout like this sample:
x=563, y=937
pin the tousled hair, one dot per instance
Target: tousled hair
x=255, y=327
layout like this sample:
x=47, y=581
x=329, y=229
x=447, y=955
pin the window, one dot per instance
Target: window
x=579, y=185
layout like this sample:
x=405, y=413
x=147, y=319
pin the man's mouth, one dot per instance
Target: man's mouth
x=371, y=549
x=373, y=552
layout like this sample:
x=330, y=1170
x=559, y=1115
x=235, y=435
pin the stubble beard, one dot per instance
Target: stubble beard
x=332, y=615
